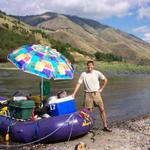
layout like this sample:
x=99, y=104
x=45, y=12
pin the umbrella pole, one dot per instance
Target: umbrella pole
x=41, y=89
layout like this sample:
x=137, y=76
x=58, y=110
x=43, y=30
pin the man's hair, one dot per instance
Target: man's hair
x=90, y=61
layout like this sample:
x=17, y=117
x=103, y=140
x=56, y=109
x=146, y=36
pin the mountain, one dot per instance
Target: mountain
x=89, y=35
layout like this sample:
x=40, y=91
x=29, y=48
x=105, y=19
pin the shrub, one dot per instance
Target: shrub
x=107, y=57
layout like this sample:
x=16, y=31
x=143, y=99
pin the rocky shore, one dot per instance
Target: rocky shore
x=133, y=134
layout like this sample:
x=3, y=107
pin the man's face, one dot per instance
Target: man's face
x=90, y=67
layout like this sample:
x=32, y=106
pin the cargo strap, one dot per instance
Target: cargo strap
x=13, y=113
x=36, y=132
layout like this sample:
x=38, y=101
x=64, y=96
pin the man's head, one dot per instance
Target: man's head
x=90, y=65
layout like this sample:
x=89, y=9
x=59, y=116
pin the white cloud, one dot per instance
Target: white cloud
x=142, y=29
x=147, y=37
x=145, y=30
x=144, y=12
x=86, y=8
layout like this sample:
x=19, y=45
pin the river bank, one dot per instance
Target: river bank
x=132, y=134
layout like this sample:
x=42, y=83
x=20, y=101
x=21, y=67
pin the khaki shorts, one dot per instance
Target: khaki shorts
x=93, y=98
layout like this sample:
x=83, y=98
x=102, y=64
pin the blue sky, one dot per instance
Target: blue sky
x=131, y=24
x=131, y=16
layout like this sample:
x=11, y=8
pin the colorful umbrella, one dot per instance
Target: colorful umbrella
x=42, y=61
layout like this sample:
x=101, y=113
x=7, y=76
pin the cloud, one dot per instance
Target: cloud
x=145, y=30
x=86, y=8
x=144, y=12
x=147, y=37
x=142, y=29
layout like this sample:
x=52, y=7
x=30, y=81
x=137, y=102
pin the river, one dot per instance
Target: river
x=125, y=97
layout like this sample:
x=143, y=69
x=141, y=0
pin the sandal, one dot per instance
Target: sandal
x=106, y=129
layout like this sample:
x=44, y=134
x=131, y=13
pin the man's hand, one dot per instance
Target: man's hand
x=100, y=90
x=73, y=95
x=76, y=89
x=103, y=85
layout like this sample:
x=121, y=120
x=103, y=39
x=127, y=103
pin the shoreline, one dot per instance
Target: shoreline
x=110, y=69
x=133, y=134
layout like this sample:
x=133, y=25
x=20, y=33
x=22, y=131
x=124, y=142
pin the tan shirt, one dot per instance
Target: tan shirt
x=91, y=80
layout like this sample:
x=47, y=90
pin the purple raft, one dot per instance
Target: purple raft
x=58, y=128
x=2, y=98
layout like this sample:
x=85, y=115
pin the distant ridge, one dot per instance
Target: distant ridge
x=83, y=21
x=87, y=35
x=90, y=35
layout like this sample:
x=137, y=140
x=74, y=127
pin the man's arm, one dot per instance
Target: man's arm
x=103, y=84
x=76, y=89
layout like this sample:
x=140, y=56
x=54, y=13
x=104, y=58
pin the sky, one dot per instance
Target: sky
x=131, y=16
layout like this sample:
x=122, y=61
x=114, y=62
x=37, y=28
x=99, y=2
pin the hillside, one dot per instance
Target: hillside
x=90, y=36
x=14, y=33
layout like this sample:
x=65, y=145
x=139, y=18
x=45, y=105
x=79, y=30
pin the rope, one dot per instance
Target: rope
x=71, y=131
x=2, y=145
x=67, y=145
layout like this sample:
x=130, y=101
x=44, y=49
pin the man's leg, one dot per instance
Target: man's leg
x=103, y=116
x=104, y=119
x=99, y=102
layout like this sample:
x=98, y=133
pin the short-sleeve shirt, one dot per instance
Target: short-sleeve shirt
x=91, y=80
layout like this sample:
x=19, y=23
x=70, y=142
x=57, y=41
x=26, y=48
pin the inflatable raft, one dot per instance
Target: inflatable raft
x=51, y=129
x=65, y=122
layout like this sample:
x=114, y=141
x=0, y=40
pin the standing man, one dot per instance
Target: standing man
x=92, y=90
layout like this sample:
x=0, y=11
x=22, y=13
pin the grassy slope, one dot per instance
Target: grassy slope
x=115, y=68
x=15, y=33
x=13, y=40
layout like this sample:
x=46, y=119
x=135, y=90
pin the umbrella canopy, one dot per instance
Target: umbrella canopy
x=42, y=61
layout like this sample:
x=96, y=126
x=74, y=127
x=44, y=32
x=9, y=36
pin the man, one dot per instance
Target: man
x=92, y=90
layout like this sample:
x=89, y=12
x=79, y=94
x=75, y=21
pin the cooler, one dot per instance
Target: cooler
x=62, y=106
x=21, y=109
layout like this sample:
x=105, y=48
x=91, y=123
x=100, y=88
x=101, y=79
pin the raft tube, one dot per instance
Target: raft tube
x=58, y=128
